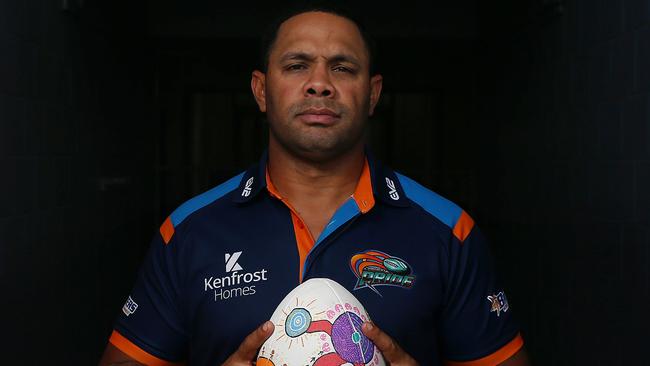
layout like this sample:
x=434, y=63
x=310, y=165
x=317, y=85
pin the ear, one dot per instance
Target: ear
x=258, y=86
x=375, y=91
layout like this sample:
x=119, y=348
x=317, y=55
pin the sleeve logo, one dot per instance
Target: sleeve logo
x=129, y=307
x=498, y=303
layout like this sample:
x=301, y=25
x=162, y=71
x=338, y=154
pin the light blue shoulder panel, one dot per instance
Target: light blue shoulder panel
x=438, y=206
x=204, y=199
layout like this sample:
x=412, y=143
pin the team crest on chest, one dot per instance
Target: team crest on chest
x=374, y=268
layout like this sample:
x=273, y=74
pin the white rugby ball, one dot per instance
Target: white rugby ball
x=319, y=324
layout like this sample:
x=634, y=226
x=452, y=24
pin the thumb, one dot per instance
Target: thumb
x=386, y=345
x=248, y=348
x=392, y=352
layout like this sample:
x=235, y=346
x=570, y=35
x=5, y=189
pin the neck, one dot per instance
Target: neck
x=333, y=180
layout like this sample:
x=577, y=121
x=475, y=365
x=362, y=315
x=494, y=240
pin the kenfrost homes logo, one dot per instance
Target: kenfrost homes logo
x=231, y=262
x=236, y=284
x=129, y=307
x=374, y=268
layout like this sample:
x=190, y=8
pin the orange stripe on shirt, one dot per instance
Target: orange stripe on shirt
x=167, y=230
x=304, y=240
x=463, y=226
x=363, y=192
x=136, y=352
x=495, y=358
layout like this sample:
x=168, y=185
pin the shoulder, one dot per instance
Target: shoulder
x=438, y=207
x=196, y=204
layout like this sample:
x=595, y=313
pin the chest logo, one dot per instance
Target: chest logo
x=374, y=268
x=236, y=283
x=231, y=262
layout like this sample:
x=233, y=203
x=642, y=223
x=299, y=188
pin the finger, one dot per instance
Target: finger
x=388, y=347
x=248, y=348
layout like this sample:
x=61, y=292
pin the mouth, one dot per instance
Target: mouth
x=322, y=116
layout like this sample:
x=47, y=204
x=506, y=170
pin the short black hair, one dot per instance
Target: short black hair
x=271, y=34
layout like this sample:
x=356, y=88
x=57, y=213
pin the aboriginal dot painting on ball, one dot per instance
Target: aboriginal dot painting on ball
x=319, y=324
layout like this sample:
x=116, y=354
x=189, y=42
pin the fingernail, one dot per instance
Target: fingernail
x=368, y=325
x=265, y=326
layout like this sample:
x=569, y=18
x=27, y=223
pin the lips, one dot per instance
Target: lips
x=319, y=116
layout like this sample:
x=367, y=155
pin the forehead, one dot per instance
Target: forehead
x=320, y=33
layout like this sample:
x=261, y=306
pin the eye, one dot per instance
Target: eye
x=342, y=69
x=295, y=67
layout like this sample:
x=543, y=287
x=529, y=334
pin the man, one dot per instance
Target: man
x=316, y=206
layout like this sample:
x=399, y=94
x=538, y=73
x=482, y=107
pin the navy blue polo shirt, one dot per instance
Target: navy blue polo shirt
x=225, y=259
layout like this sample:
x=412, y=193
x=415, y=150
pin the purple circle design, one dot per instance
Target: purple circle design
x=345, y=330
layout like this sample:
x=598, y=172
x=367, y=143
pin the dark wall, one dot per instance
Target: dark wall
x=76, y=174
x=563, y=167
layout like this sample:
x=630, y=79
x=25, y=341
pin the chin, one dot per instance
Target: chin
x=322, y=153
x=319, y=146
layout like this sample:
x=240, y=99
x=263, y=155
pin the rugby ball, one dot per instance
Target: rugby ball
x=319, y=324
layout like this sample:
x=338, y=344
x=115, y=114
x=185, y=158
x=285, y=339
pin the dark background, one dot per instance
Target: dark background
x=533, y=115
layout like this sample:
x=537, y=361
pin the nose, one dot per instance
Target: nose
x=319, y=83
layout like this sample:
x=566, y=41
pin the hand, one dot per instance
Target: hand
x=247, y=351
x=392, y=352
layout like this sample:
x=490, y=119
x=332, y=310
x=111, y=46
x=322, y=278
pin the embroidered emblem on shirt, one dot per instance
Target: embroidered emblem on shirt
x=374, y=268
x=129, y=307
x=247, y=190
x=231, y=262
x=498, y=303
x=392, y=191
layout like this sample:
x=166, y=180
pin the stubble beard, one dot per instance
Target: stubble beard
x=316, y=144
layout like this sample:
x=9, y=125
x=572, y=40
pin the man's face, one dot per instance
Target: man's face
x=317, y=91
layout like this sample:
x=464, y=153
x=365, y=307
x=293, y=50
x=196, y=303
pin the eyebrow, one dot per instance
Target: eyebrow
x=303, y=56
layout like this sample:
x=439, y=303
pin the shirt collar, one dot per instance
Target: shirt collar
x=376, y=181
x=253, y=181
x=385, y=184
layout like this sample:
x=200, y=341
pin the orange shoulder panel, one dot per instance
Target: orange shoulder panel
x=463, y=226
x=167, y=230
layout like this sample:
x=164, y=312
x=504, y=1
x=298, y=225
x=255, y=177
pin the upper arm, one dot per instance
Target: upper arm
x=113, y=356
x=477, y=327
x=518, y=359
x=150, y=328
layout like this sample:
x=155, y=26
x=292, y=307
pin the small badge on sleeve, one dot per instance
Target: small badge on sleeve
x=129, y=307
x=498, y=303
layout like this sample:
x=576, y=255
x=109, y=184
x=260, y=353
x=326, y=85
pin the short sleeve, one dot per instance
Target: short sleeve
x=150, y=327
x=477, y=327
